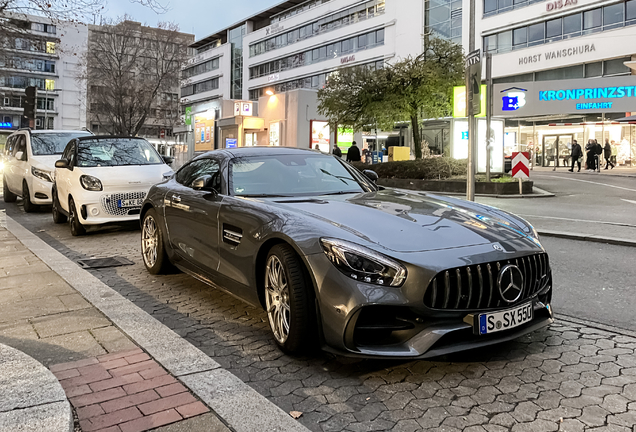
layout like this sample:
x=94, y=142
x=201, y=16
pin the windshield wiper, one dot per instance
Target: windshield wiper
x=341, y=178
x=342, y=193
x=264, y=196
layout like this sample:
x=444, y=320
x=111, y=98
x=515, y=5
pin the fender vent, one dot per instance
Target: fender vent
x=232, y=235
x=104, y=262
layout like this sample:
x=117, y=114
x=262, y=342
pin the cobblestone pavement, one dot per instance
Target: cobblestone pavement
x=568, y=377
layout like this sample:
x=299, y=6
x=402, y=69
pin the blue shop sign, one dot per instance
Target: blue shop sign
x=6, y=125
x=588, y=93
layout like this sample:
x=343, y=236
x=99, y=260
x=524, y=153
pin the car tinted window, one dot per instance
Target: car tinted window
x=196, y=169
x=8, y=148
x=52, y=143
x=116, y=152
x=19, y=145
x=69, y=152
x=295, y=174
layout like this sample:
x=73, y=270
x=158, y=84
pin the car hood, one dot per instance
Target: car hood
x=128, y=176
x=410, y=222
x=46, y=162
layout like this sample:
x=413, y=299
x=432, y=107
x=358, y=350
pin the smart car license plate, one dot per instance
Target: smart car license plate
x=504, y=320
x=130, y=203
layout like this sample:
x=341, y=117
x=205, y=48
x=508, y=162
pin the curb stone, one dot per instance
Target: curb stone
x=587, y=237
x=182, y=359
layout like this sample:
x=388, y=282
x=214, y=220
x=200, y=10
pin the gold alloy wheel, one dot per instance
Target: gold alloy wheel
x=277, y=299
x=149, y=241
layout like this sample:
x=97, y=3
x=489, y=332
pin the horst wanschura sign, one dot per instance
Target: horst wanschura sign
x=595, y=95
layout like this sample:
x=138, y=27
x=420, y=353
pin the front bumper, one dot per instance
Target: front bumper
x=98, y=208
x=40, y=191
x=364, y=320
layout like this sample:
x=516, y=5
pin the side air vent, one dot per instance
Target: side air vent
x=232, y=235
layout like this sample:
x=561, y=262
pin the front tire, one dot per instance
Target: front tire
x=77, y=229
x=288, y=300
x=153, y=249
x=7, y=196
x=58, y=216
x=29, y=207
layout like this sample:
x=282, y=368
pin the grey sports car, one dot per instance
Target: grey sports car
x=341, y=263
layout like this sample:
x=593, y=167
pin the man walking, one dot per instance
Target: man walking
x=576, y=155
x=599, y=151
x=336, y=151
x=353, y=155
x=590, y=156
x=607, y=150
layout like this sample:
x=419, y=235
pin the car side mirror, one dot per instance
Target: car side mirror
x=62, y=163
x=19, y=155
x=167, y=159
x=203, y=183
x=371, y=175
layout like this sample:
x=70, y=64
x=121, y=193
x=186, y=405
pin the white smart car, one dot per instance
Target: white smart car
x=104, y=179
x=28, y=160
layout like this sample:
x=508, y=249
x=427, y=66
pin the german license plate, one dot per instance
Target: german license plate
x=130, y=203
x=504, y=320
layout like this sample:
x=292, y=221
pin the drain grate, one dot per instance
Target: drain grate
x=104, y=262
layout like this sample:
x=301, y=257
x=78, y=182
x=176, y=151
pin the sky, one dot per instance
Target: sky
x=200, y=17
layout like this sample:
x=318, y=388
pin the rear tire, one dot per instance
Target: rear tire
x=289, y=300
x=29, y=207
x=77, y=229
x=7, y=196
x=58, y=216
x=153, y=249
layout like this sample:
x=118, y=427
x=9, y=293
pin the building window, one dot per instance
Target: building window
x=616, y=66
x=594, y=70
x=327, y=52
x=49, y=84
x=50, y=47
x=349, y=16
x=592, y=21
x=200, y=87
x=201, y=68
x=236, y=69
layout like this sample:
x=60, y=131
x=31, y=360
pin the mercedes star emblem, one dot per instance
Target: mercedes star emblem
x=510, y=281
x=498, y=248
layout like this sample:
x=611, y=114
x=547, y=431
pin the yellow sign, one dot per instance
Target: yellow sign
x=204, y=131
x=459, y=101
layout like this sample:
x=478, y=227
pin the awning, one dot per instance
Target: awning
x=626, y=119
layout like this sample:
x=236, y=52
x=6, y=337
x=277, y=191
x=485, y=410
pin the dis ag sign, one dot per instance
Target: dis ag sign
x=513, y=98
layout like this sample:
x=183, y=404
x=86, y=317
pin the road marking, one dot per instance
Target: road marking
x=580, y=220
x=629, y=201
x=593, y=182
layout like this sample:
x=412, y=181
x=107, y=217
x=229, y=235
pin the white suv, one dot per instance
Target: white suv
x=29, y=162
x=104, y=179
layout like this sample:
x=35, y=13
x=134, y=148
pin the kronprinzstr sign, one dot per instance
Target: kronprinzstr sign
x=594, y=95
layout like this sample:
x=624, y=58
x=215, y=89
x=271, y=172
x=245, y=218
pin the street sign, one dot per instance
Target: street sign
x=520, y=165
x=188, y=116
x=473, y=68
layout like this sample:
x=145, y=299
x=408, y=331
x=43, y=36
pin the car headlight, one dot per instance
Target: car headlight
x=363, y=264
x=91, y=183
x=42, y=174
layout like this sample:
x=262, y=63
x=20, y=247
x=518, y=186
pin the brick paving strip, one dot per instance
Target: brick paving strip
x=240, y=406
x=125, y=392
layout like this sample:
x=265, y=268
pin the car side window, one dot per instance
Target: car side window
x=198, y=168
x=19, y=146
x=69, y=153
x=9, y=145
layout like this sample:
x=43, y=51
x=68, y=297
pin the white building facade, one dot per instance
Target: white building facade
x=47, y=57
x=561, y=73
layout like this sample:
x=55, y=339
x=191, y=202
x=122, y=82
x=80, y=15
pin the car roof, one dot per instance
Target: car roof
x=259, y=151
x=50, y=131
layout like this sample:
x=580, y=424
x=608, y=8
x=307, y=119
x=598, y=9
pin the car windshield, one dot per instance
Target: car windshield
x=293, y=175
x=44, y=144
x=116, y=152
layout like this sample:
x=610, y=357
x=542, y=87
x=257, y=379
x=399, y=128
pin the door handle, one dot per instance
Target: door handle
x=176, y=199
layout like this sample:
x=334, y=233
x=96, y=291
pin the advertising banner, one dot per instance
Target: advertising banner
x=320, y=136
x=203, y=132
x=345, y=139
x=459, y=101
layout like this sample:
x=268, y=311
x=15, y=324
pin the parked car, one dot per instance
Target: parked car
x=104, y=179
x=28, y=164
x=339, y=262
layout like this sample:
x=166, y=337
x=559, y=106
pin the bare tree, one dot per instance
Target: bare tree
x=132, y=74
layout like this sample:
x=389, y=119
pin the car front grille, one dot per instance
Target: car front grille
x=109, y=203
x=475, y=286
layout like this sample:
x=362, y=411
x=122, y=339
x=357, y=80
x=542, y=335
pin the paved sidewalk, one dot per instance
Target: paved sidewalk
x=113, y=385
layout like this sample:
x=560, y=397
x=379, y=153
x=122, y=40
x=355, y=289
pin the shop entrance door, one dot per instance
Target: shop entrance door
x=556, y=150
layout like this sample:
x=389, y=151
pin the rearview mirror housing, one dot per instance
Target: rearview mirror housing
x=62, y=163
x=167, y=159
x=203, y=183
x=19, y=155
x=371, y=175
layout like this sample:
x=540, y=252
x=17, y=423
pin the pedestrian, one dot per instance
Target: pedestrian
x=353, y=154
x=607, y=150
x=336, y=151
x=576, y=155
x=589, y=155
x=598, y=149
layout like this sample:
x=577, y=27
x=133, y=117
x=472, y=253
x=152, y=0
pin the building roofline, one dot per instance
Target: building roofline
x=265, y=13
